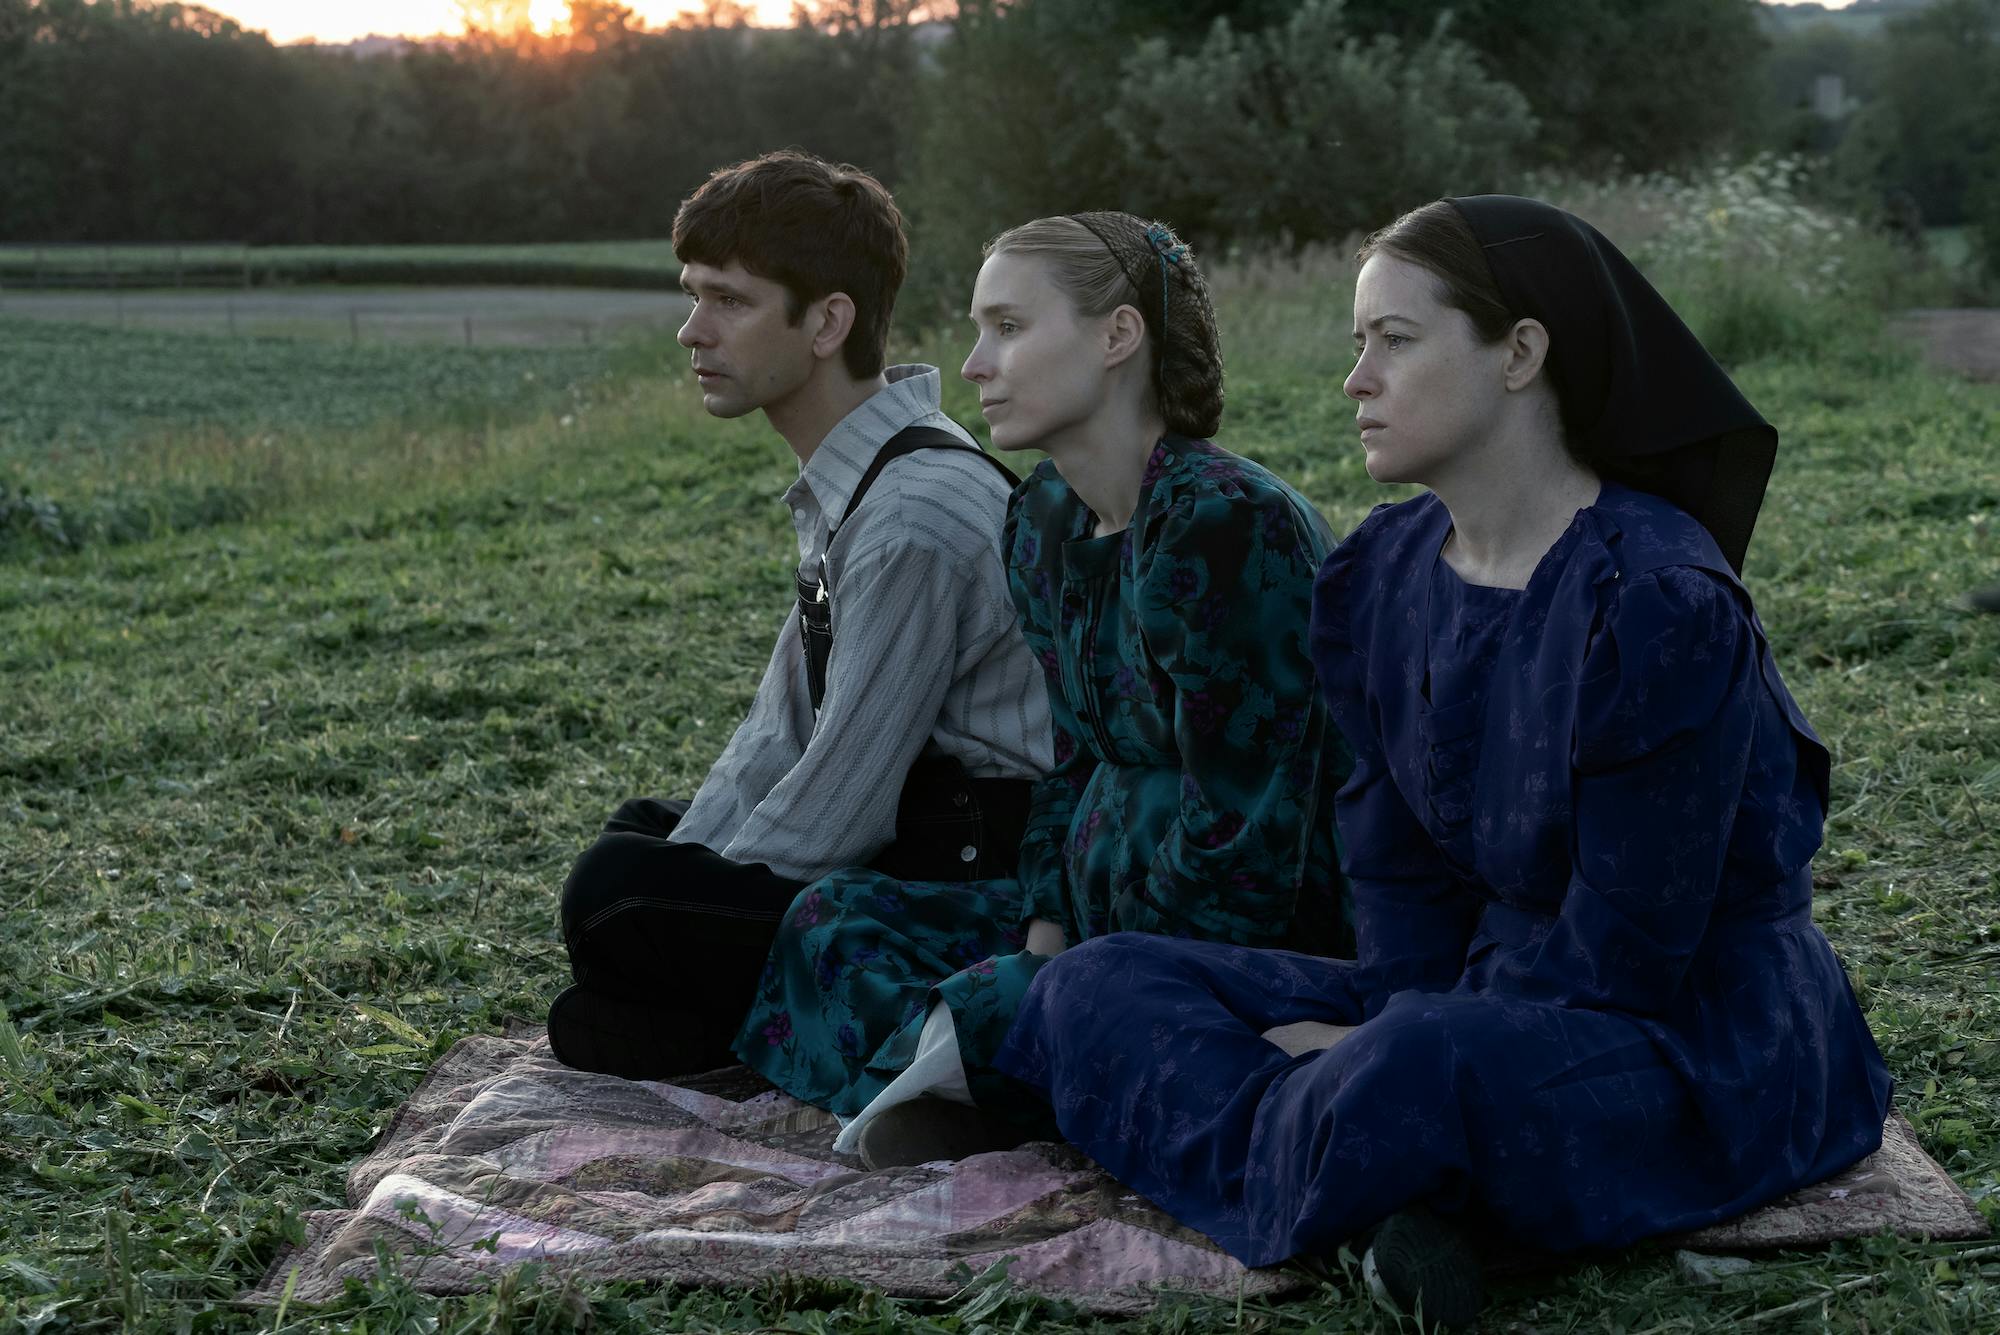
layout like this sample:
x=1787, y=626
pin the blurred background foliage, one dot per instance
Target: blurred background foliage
x=1249, y=123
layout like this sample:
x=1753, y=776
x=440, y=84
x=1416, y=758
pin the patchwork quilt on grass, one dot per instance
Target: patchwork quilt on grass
x=504, y=1155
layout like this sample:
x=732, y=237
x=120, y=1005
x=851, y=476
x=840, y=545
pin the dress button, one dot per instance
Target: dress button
x=968, y=853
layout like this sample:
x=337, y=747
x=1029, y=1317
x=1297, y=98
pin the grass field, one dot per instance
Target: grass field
x=597, y=263
x=84, y=258
x=132, y=433
x=68, y=386
x=286, y=790
x=460, y=315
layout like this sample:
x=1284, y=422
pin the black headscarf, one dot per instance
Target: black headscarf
x=1651, y=407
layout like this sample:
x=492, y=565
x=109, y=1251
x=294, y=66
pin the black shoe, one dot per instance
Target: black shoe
x=1420, y=1265
x=926, y=1129
x=591, y=1031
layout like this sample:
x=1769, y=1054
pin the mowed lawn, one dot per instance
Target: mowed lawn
x=287, y=791
x=21, y=260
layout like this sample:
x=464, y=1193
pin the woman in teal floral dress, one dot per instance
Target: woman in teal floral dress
x=1165, y=585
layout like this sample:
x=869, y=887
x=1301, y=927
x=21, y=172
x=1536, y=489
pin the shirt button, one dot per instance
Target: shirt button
x=960, y=799
x=968, y=853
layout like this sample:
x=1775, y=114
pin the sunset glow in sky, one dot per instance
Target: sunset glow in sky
x=345, y=20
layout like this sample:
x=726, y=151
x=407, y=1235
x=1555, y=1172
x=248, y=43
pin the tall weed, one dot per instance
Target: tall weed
x=1755, y=266
x=1758, y=271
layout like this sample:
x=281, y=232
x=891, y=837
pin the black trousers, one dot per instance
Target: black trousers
x=675, y=928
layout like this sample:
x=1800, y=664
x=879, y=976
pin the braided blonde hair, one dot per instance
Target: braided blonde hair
x=1104, y=260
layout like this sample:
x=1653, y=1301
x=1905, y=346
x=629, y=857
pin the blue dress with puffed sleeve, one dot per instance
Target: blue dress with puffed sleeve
x=1591, y=1002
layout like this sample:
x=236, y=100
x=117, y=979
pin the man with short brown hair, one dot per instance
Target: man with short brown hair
x=909, y=747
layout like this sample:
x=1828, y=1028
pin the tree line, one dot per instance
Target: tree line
x=1293, y=120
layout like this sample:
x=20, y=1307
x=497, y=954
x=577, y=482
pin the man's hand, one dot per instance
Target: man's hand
x=1307, y=1036
x=1045, y=938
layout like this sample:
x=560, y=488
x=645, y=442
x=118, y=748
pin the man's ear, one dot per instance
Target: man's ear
x=1527, y=345
x=836, y=312
x=1125, y=334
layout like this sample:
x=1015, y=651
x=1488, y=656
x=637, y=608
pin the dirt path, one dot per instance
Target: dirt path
x=483, y=316
x=1962, y=340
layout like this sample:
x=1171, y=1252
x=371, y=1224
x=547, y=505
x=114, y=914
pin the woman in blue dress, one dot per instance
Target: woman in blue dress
x=1165, y=585
x=1589, y=1003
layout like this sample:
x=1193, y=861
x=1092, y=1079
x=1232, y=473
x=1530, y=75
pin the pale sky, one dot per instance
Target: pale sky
x=345, y=20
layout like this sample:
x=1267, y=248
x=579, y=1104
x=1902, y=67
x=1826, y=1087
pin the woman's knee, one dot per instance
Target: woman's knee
x=1419, y=1039
x=1089, y=961
x=1081, y=979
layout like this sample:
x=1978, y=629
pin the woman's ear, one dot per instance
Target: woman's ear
x=1125, y=333
x=1527, y=347
x=836, y=323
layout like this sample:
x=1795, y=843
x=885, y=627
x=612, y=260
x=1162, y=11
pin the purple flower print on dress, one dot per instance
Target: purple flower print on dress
x=1279, y=532
x=1221, y=830
x=779, y=1030
x=846, y=1041
x=825, y=971
x=1203, y=711
x=888, y=901
x=1289, y=725
x=1214, y=611
x=983, y=969
x=1084, y=835
x=1065, y=748
x=808, y=910
x=1183, y=584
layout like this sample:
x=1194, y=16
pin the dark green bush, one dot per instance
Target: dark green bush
x=30, y=521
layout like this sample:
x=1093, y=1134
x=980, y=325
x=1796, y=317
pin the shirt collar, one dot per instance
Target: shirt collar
x=835, y=468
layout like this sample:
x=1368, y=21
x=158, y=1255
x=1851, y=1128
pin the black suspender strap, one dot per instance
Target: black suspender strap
x=908, y=441
x=815, y=612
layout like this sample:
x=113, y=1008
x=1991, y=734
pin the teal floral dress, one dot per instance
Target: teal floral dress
x=1192, y=793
